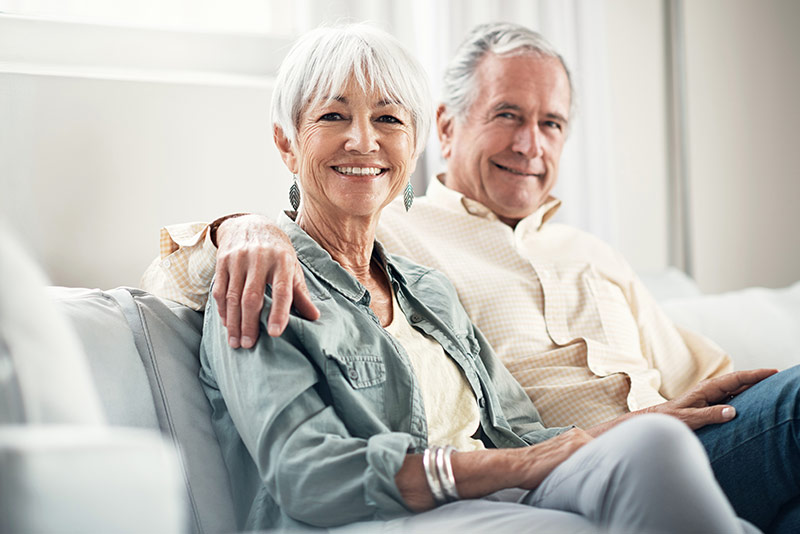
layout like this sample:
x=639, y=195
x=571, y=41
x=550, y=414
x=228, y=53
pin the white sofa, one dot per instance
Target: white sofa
x=143, y=366
x=103, y=424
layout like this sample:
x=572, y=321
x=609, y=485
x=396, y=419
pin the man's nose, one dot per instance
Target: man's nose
x=528, y=141
x=361, y=136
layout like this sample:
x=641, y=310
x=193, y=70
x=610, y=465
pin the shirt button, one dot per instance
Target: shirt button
x=353, y=374
x=166, y=264
x=482, y=402
x=415, y=317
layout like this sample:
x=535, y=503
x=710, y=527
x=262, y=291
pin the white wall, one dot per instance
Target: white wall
x=743, y=75
x=743, y=78
x=95, y=159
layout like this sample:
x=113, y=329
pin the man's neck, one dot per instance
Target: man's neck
x=512, y=222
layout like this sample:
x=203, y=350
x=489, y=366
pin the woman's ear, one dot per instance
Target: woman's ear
x=444, y=128
x=286, y=148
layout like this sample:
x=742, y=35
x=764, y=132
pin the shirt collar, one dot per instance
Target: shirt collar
x=318, y=261
x=442, y=196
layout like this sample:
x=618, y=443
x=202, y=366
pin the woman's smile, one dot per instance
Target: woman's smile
x=367, y=172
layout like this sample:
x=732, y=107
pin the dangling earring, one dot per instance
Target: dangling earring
x=408, y=196
x=294, y=194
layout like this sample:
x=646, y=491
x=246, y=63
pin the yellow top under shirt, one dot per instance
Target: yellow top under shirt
x=451, y=410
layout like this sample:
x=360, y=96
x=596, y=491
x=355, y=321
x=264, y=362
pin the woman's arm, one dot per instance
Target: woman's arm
x=479, y=473
x=311, y=465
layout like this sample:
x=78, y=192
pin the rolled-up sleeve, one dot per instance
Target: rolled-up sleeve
x=517, y=407
x=310, y=464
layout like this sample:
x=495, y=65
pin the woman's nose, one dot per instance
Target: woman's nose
x=361, y=136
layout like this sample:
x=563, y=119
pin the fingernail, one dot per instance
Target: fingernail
x=729, y=412
x=247, y=342
x=233, y=342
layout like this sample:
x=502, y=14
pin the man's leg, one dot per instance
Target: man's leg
x=756, y=456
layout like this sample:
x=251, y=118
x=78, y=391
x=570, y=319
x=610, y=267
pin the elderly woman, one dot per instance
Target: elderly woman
x=392, y=407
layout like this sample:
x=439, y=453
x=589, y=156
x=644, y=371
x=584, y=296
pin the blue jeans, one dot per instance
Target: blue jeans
x=756, y=456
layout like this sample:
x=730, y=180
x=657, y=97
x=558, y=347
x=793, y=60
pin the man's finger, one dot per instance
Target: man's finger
x=233, y=301
x=252, y=302
x=699, y=417
x=722, y=387
x=302, y=298
x=282, y=283
x=220, y=291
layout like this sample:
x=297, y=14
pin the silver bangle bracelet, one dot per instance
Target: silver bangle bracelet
x=446, y=476
x=434, y=483
x=444, y=468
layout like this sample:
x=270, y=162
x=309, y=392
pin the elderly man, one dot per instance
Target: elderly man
x=563, y=310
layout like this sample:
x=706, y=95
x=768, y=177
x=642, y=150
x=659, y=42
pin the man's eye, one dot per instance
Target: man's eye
x=553, y=124
x=331, y=117
x=390, y=119
x=506, y=115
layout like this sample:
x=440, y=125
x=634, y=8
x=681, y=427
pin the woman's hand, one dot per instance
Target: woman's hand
x=539, y=460
x=252, y=253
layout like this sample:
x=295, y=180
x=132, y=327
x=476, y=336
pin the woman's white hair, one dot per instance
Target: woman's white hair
x=322, y=62
x=502, y=39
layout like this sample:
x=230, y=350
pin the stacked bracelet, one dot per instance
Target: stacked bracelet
x=439, y=472
x=444, y=467
x=433, y=478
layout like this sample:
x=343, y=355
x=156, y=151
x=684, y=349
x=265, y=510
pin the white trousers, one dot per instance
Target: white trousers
x=649, y=475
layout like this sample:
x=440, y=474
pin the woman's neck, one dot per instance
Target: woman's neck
x=349, y=240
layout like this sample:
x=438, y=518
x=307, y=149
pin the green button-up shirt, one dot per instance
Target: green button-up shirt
x=315, y=424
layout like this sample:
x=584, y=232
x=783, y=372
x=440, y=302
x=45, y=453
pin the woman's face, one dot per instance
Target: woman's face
x=354, y=153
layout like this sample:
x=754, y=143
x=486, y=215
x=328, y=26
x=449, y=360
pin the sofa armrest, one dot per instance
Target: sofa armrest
x=88, y=479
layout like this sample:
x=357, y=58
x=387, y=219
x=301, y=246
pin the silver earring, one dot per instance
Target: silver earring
x=408, y=196
x=294, y=194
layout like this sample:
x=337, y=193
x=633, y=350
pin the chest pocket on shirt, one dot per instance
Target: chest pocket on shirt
x=360, y=370
x=356, y=385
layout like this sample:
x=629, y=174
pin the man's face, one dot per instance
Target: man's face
x=505, y=152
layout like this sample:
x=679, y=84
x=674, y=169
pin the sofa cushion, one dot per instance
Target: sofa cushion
x=143, y=353
x=167, y=337
x=758, y=327
x=44, y=376
x=117, y=370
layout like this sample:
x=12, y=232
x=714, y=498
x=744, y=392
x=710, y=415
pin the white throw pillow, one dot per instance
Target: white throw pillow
x=758, y=327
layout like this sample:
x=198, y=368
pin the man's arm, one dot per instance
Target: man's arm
x=250, y=252
x=254, y=252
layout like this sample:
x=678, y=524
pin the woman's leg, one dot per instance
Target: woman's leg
x=485, y=515
x=649, y=474
x=756, y=456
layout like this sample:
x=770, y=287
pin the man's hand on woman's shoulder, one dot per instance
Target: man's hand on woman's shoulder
x=254, y=252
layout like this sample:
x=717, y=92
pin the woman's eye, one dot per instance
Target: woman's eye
x=389, y=118
x=506, y=115
x=331, y=117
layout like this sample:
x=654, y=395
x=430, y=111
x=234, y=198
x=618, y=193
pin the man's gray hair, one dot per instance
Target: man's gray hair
x=322, y=62
x=500, y=38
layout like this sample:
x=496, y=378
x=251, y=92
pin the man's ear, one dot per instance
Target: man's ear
x=286, y=148
x=444, y=128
